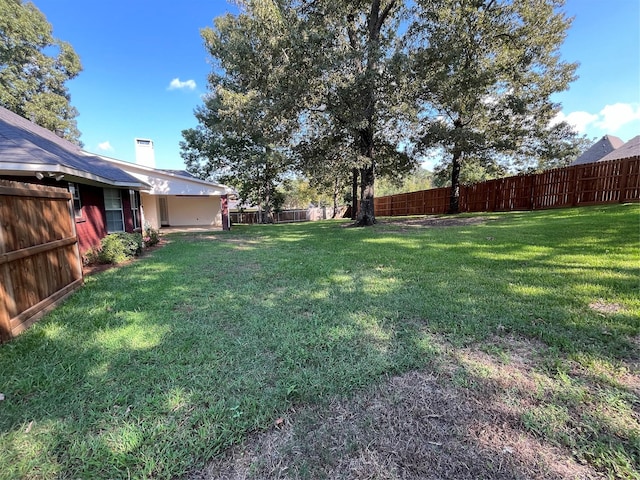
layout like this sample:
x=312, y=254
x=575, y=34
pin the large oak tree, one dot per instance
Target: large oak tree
x=485, y=73
x=302, y=71
x=243, y=130
x=357, y=85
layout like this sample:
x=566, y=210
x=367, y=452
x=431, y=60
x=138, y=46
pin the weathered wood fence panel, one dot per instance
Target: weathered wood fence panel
x=285, y=216
x=39, y=258
x=588, y=184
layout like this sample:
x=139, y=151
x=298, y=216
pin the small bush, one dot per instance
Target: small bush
x=132, y=243
x=92, y=257
x=119, y=247
x=151, y=236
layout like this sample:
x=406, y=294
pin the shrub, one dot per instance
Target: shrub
x=151, y=236
x=92, y=257
x=132, y=243
x=118, y=247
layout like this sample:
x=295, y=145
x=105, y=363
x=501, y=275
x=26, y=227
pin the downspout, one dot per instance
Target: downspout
x=140, y=212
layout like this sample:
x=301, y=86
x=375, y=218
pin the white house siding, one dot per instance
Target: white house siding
x=190, y=201
x=194, y=211
x=150, y=209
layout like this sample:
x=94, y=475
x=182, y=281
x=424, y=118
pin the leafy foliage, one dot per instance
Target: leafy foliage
x=309, y=82
x=416, y=180
x=487, y=71
x=151, y=236
x=116, y=248
x=242, y=136
x=34, y=67
x=347, y=92
x=358, y=88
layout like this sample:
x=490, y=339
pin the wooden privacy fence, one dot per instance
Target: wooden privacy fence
x=614, y=181
x=39, y=258
x=285, y=216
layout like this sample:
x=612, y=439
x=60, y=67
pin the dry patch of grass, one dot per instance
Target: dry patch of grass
x=469, y=416
x=605, y=307
x=409, y=224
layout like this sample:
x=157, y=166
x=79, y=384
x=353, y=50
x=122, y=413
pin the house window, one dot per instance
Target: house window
x=113, y=208
x=74, y=188
x=135, y=208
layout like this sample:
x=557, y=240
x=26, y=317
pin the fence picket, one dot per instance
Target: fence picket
x=39, y=257
x=594, y=183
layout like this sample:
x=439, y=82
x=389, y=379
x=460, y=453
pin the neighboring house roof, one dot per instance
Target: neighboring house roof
x=170, y=182
x=598, y=150
x=27, y=148
x=628, y=150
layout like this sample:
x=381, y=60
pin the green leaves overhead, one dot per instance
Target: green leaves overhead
x=487, y=71
x=243, y=131
x=356, y=88
x=34, y=67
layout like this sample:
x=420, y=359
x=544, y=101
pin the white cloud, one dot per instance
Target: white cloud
x=177, y=84
x=578, y=120
x=105, y=146
x=613, y=117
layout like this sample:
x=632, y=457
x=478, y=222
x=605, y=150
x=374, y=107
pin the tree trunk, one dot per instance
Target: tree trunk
x=336, y=192
x=268, y=217
x=354, y=194
x=366, y=214
x=454, y=199
x=376, y=18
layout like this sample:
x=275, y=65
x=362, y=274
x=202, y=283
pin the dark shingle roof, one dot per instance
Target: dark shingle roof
x=602, y=147
x=27, y=147
x=628, y=150
x=182, y=173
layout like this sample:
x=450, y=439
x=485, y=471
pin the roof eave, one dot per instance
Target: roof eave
x=17, y=168
x=158, y=172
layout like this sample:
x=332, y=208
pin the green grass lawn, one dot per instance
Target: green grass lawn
x=154, y=368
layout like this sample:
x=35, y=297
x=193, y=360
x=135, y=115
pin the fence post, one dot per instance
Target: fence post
x=622, y=181
x=574, y=181
x=532, y=191
x=7, y=304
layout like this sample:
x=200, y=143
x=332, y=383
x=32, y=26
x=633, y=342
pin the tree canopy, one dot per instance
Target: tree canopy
x=34, y=67
x=243, y=132
x=487, y=70
x=353, y=90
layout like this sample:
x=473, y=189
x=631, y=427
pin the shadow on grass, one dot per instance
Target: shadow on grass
x=154, y=368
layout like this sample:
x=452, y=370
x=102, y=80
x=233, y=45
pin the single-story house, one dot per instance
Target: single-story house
x=175, y=198
x=628, y=150
x=106, y=197
x=599, y=150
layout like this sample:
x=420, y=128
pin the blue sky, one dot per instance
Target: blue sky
x=145, y=69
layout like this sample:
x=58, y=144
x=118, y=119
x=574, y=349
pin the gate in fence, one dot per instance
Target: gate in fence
x=40, y=262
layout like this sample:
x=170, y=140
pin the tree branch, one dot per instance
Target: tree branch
x=385, y=13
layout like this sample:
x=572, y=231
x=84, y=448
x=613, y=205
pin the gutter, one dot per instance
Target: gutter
x=46, y=169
